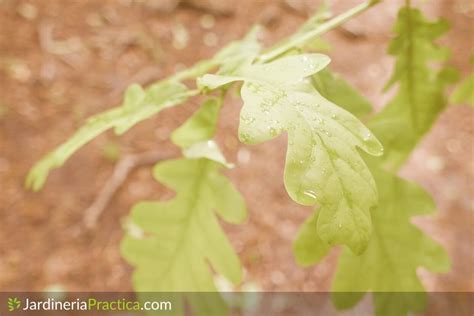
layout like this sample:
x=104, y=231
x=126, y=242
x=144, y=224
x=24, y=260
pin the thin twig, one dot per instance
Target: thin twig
x=57, y=47
x=121, y=172
x=302, y=38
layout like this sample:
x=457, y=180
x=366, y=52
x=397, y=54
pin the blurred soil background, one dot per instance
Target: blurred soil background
x=62, y=61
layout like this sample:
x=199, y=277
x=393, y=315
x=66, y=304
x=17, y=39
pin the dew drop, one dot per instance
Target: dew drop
x=367, y=136
x=273, y=131
x=245, y=138
x=311, y=194
x=340, y=225
x=248, y=119
x=334, y=116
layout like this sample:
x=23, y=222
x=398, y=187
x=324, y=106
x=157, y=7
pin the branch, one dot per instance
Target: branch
x=305, y=37
x=122, y=170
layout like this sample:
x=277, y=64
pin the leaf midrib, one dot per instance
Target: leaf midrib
x=410, y=69
x=187, y=223
x=343, y=187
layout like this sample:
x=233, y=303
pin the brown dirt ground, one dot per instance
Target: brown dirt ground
x=47, y=90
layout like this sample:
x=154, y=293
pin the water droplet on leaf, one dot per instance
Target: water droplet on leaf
x=367, y=136
x=311, y=194
x=245, y=138
x=273, y=131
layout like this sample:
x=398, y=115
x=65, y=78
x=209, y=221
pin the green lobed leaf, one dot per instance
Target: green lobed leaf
x=322, y=163
x=421, y=88
x=397, y=248
x=183, y=240
x=308, y=246
x=137, y=106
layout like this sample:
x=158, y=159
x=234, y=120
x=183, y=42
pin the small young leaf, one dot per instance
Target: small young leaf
x=397, y=248
x=199, y=127
x=322, y=164
x=183, y=241
x=137, y=106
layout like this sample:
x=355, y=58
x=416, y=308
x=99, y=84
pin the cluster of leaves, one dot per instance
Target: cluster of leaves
x=396, y=248
x=180, y=242
x=139, y=105
x=359, y=200
x=176, y=245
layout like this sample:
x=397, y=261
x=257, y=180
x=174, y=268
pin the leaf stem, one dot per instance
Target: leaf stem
x=197, y=70
x=205, y=66
x=303, y=38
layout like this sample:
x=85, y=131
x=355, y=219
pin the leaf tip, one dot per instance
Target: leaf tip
x=372, y=145
x=36, y=177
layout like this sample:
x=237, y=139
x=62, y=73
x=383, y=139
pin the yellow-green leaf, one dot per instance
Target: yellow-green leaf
x=183, y=242
x=137, y=106
x=396, y=250
x=322, y=164
x=421, y=92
